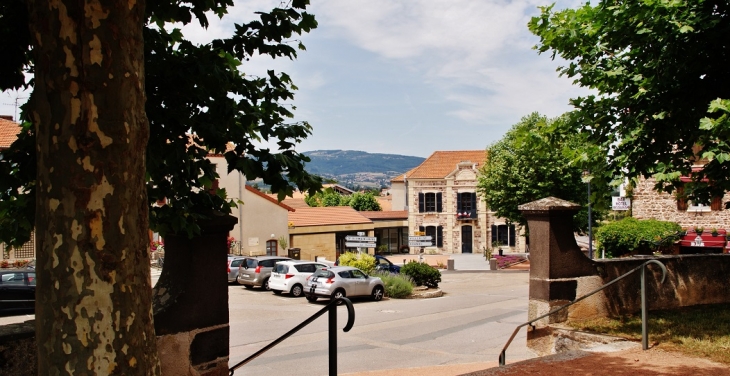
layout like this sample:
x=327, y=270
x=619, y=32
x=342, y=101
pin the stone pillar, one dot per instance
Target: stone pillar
x=191, y=302
x=556, y=265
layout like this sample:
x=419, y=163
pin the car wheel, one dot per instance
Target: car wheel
x=377, y=293
x=277, y=292
x=265, y=285
x=248, y=287
x=296, y=291
x=311, y=298
x=339, y=293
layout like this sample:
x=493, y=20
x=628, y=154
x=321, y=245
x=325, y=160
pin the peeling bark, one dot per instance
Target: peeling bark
x=93, y=299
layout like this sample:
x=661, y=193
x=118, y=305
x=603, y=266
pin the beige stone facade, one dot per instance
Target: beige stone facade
x=649, y=204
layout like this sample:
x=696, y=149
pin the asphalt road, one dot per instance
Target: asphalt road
x=470, y=324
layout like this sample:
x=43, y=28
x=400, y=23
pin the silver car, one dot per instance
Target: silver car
x=343, y=281
x=233, y=264
x=255, y=271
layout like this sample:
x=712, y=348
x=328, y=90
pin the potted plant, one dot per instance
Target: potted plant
x=699, y=230
x=714, y=231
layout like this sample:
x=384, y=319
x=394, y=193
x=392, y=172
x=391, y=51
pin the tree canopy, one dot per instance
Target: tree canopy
x=537, y=158
x=657, y=67
x=199, y=101
x=360, y=201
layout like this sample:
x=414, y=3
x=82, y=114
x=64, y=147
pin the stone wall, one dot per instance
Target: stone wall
x=647, y=204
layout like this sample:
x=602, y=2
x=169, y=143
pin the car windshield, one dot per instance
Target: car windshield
x=282, y=269
x=236, y=263
x=323, y=273
x=251, y=263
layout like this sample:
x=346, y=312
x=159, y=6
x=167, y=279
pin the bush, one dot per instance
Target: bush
x=397, y=286
x=422, y=274
x=631, y=236
x=362, y=261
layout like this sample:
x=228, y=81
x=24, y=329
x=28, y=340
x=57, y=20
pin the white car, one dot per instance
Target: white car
x=291, y=276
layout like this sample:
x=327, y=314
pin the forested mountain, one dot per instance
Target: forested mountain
x=358, y=168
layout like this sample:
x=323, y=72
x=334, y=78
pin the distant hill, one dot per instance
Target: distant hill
x=358, y=168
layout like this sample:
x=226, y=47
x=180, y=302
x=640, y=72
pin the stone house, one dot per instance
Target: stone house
x=647, y=203
x=441, y=198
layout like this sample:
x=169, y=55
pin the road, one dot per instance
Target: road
x=470, y=324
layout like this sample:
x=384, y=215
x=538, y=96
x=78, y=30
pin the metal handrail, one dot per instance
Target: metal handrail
x=644, y=336
x=331, y=307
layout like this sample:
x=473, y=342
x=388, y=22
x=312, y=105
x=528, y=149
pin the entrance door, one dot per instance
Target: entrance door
x=466, y=239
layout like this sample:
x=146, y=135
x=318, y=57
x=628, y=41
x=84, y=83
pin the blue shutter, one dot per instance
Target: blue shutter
x=421, y=203
x=473, y=205
x=511, y=235
x=440, y=236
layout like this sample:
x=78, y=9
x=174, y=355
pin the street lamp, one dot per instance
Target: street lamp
x=586, y=177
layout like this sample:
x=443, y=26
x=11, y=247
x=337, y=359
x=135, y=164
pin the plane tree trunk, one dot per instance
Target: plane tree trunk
x=93, y=299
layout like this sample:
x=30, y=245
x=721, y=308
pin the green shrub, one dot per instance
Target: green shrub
x=422, y=274
x=362, y=261
x=397, y=286
x=631, y=236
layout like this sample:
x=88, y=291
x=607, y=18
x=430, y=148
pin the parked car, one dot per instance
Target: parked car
x=341, y=281
x=382, y=264
x=255, y=271
x=17, y=290
x=233, y=263
x=291, y=276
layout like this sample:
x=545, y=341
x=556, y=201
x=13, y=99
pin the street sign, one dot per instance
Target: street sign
x=419, y=238
x=359, y=245
x=419, y=244
x=419, y=233
x=620, y=203
x=368, y=239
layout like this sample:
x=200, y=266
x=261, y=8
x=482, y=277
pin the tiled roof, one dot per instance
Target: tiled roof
x=295, y=203
x=400, y=178
x=442, y=163
x=324, y=216
x=398, y=214
x=264, y=195
x=8, y=132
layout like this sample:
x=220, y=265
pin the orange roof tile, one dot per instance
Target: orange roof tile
x=442, y=163
x=397, y=214
x=264, y=195
x=8, y=132
x=295, y=203
x=324, y=216
x=400, y=178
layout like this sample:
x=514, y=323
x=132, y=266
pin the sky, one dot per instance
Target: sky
x=408, y=76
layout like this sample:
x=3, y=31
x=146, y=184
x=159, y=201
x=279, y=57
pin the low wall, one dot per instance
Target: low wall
x=18, y=353
x=691, y=280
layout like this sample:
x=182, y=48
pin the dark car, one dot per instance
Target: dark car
x=17, y=290
x=382, y=264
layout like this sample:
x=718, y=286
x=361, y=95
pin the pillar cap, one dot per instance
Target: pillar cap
x=549, y=204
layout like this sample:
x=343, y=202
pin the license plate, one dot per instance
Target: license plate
x=245, y=275
x=277, y=276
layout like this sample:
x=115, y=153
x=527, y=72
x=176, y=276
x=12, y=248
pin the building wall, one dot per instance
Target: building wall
x=648, y=204
x=398, y=196
x=319, y=244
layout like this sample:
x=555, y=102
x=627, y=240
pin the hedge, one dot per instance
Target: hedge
x=631, y=236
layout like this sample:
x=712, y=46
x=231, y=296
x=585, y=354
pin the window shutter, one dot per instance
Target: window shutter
x=421, y=203
x=440, y=236
x=494, y=234
x=681, y=199
x=458, y=203
x=716, y=203
x=439, y=207
x=473, y=205
x=421, y=229
x=511, y=235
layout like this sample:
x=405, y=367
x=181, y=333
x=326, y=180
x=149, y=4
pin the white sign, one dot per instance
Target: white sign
x=620, y=203
x=369, y=239
x=359, y=245
x=419, y=238
x=419, y=244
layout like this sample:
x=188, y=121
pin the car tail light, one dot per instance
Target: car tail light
x=329, y=280
x=258, y=269
x=288, y=276
x=229, y=270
